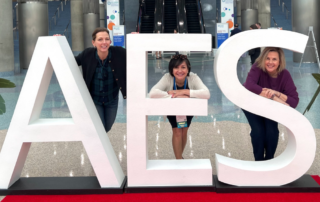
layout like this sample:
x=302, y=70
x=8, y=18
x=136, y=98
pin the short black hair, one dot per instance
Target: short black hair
x=236, y=25
x=258, y=23
x=178, y=60
x=253, y=26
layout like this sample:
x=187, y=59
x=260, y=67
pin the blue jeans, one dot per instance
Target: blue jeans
x=264, y=136
x=108, y=113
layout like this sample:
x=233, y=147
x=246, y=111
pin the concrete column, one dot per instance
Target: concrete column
x=264, y=13
x=249, y=13
x=91, y=20
x=6, y=36
x=238, y=7
x=33, y=23
x=102, y=15
x=77, y=25
x=304, y=14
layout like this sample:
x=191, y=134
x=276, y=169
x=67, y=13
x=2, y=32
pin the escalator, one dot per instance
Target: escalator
x=192, y=16
x=170, y=16
x=147, y=17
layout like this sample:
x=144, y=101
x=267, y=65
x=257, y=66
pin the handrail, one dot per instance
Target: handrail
x=284, y=7
x=158, y=14
x=200, y=15
x=177, y=14
x=138, y=26
x=162, y=19
x=66, y=29
x=124, y=18
x=15, y=32
x=54, y=17
x=183, y=22
x=218, y=15
x=274, y=22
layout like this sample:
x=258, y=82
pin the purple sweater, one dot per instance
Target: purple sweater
x=258, y=79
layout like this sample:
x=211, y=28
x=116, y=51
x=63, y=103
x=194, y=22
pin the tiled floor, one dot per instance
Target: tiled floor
x=224, y=131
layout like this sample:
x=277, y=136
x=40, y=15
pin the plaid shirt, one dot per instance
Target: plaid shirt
x=104, y=87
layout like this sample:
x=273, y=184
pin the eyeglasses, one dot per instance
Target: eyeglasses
x=176, y=57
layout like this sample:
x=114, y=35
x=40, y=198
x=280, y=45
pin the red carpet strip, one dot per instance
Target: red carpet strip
x=174, y=197
x=316, y=178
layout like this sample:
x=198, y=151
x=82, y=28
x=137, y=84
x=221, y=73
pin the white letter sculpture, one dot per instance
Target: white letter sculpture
x=141, y=170
x=54, y=53
x=300, y=152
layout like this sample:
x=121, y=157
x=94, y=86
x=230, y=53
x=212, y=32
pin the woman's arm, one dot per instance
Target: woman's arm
x=252, y=80
x=199, y=89
x=267, y=93
x=160, y=89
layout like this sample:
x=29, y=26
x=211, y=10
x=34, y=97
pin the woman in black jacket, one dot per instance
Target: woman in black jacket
x=104, y=72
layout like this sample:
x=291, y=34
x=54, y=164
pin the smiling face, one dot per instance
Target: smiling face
x=181, y=71
x=272, y=63
x=102, y=42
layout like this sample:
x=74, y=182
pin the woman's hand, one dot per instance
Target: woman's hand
x=177, y=93
x=57, y=35
x=269, y=92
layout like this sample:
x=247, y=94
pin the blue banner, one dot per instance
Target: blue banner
x=221, y=37
x=118, y=41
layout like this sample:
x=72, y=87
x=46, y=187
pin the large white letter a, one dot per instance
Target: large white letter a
x=54, y=53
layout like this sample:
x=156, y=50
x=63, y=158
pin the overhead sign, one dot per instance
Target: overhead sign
x=222, y=33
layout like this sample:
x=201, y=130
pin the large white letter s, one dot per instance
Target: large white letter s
x=300, y=152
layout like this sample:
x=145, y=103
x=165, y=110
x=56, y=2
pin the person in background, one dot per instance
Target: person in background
x=254, y=53
x=258, y=24
x=236, y=30
x=104, y=72
x=269, y=78
x=180, y=82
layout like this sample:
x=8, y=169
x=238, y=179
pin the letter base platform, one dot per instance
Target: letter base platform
x=302, y=185
x=162, y=189
x=60, y=186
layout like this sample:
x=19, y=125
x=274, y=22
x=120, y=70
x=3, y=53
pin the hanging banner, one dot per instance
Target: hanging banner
x=118, y=36
x=222, y=33
x=113, y=17
x=227, y=13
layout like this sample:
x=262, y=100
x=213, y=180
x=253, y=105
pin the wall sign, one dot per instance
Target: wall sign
x=118, y=35
x=113, y=16
x=227, y=13
x=222, y=33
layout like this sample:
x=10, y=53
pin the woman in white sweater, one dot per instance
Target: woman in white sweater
x=180, y=83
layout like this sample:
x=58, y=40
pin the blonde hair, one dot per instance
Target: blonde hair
x=263, y=56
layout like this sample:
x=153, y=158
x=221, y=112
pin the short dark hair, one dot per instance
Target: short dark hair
x=97, y=30
x=178, y=60
x=258, y=23
x=253, y=26
x=236, y=25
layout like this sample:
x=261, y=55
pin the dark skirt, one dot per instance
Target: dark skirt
x=173, y=121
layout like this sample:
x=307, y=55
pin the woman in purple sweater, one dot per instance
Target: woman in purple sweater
x=269, y=78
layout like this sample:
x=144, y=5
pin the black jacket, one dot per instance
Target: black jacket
x=87, y=59
x=235, y=31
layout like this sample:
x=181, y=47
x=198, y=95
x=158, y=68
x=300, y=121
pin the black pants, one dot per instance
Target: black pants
x=264, y=136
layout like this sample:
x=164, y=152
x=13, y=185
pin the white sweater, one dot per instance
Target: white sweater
x=196, y=86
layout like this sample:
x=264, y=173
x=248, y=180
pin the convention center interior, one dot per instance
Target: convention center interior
x=159, y=100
